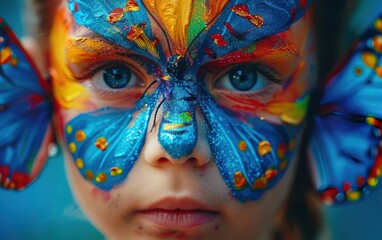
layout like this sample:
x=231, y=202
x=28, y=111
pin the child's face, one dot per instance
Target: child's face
x=201, y=152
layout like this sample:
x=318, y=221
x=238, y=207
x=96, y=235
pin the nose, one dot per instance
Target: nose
x=154, y=153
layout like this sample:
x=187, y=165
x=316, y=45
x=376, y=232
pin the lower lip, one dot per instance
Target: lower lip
x=178, y=219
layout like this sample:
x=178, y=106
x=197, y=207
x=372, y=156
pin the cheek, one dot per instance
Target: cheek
x=101, y=207
x=258, y=218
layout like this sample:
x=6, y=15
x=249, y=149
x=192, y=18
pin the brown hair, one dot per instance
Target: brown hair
x=39, y=18
x=301, y=218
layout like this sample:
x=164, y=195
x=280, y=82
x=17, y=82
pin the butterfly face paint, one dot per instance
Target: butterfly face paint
x=24, y=115
x=232, y=62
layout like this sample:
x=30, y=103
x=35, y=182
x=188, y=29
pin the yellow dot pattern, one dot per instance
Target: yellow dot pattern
x=80, y=136
x=69, y=129
x=115, y=171
x=101, y=143
x=264, y=148
x=72, y=147
x=239, y=180
x=89, y=174
x=242, y=145
x=101, y=177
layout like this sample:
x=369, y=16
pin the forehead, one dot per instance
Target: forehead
x=158, y=29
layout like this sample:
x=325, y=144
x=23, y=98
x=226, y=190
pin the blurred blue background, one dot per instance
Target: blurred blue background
x=47, y=210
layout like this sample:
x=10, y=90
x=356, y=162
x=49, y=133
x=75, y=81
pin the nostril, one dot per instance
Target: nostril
x=162, y=160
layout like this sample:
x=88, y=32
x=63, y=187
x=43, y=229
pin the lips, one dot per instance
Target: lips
x=179, y=213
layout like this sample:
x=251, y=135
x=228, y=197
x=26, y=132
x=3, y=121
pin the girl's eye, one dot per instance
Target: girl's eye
x=116, y=77
x=242, y=78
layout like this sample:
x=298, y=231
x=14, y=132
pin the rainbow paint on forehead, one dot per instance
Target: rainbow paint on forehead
x=183, y=38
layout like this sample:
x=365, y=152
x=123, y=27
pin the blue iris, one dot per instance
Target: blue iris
x=117, y=77
x=242, y=79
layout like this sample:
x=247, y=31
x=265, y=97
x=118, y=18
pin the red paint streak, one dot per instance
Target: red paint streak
x=303, y=3
x=329, y=195
x=293, y=13
x=243, y=11
x=374, y=171
x=76, y=7
x=155, y=42
x=130, y=6
x=16, y=180
x=115, y=15
x=272, y=46
x=211, y=54
x=4, y=170
x=219, y=40
x=346, y=187
x=136, y=31
x=35, y=100
x=360, y=181
x=233, y=32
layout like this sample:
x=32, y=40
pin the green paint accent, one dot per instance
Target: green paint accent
x=197, y=22
x=250, y=49
x=185, y=117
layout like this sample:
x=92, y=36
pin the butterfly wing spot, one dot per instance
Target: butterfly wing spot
x=377, y=43
x=219, y=40
x=5, y=55
x=115, y=171
x=260, y=183
x=378, y=24
x=370, y=59
x=271, y=174
x=264, y=148
x=80, y=163
x=101, y=143
x=358, y=71
x=242, y=145
x=115, y=15
x=69, y=129
x=89, y=174
x=80, y=136
x=243, y=11
x=239, y=180
x=72, y=147
x=101, y=177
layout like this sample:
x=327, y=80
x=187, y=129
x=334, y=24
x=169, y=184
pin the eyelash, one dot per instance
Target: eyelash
x=263, y=95
x=94, y=68
x=269, y=73
x=86, y=74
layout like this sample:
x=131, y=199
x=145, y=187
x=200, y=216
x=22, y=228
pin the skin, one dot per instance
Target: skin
x=156, y=175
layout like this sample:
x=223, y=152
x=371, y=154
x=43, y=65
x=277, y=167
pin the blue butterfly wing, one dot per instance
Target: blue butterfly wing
x=95, y=15
x=236, y=28
x=105, y=144
x=249, y=162
x=25, y=115
x=346, y=144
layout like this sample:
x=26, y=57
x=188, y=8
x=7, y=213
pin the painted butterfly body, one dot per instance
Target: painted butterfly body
x=25, y=114
x=346, y=144
x=178, y=129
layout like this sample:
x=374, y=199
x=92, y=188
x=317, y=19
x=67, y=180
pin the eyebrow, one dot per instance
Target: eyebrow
x=83, y=45
x=272, y=48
